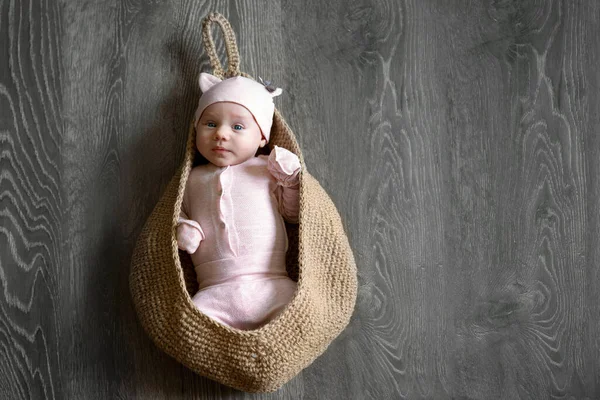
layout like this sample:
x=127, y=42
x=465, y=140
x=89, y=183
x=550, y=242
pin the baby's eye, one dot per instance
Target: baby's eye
x=211, y=124
x=238, y=127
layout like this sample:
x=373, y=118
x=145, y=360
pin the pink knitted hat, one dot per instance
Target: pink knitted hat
x=255, y=96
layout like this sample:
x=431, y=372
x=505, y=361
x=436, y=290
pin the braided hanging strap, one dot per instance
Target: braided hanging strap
x=233, y=55
x=162, y=278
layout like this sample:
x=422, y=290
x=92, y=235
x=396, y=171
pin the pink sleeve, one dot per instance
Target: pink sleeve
x=183, y=214
x=185, y=219
x=285, y=168
x=289, y=203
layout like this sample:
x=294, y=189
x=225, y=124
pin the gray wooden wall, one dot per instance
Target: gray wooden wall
x=459, y=140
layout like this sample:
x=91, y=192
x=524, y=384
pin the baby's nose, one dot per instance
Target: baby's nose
x=221, y=133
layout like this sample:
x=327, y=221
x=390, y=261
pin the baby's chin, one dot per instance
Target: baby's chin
x=222, y=164
x=219, y=162
x=225, y=161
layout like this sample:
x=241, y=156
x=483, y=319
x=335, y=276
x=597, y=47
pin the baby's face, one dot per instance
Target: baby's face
x=227, y=134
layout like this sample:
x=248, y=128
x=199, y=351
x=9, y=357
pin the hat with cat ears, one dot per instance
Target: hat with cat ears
x=256, y=97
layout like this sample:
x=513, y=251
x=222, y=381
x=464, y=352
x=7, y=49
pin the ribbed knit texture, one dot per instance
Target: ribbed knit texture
x=261, y=360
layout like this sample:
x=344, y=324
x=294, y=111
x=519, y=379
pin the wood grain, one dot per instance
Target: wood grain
x=459, y=140
x=32, y=201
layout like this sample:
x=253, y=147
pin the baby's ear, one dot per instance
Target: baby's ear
x=207, y=81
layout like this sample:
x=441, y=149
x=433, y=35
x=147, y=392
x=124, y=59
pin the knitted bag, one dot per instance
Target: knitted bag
x=162, y=278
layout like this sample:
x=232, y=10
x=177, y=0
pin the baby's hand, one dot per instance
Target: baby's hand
x=284, y=166
x=189, y=235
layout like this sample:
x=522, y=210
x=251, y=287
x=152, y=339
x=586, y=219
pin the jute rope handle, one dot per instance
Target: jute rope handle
x=233, y=55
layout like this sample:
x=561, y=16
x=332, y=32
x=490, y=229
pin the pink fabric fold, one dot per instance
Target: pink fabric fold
x=241, y=269
x=284, y=166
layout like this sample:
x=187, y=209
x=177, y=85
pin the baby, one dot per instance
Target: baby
x=231, y=220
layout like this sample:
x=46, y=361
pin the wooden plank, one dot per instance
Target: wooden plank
x=32, y=201
x=459, y=141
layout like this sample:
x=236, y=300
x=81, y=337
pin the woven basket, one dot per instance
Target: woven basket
x=162, y=279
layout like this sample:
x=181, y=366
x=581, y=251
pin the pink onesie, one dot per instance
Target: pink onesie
x=240, y=262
